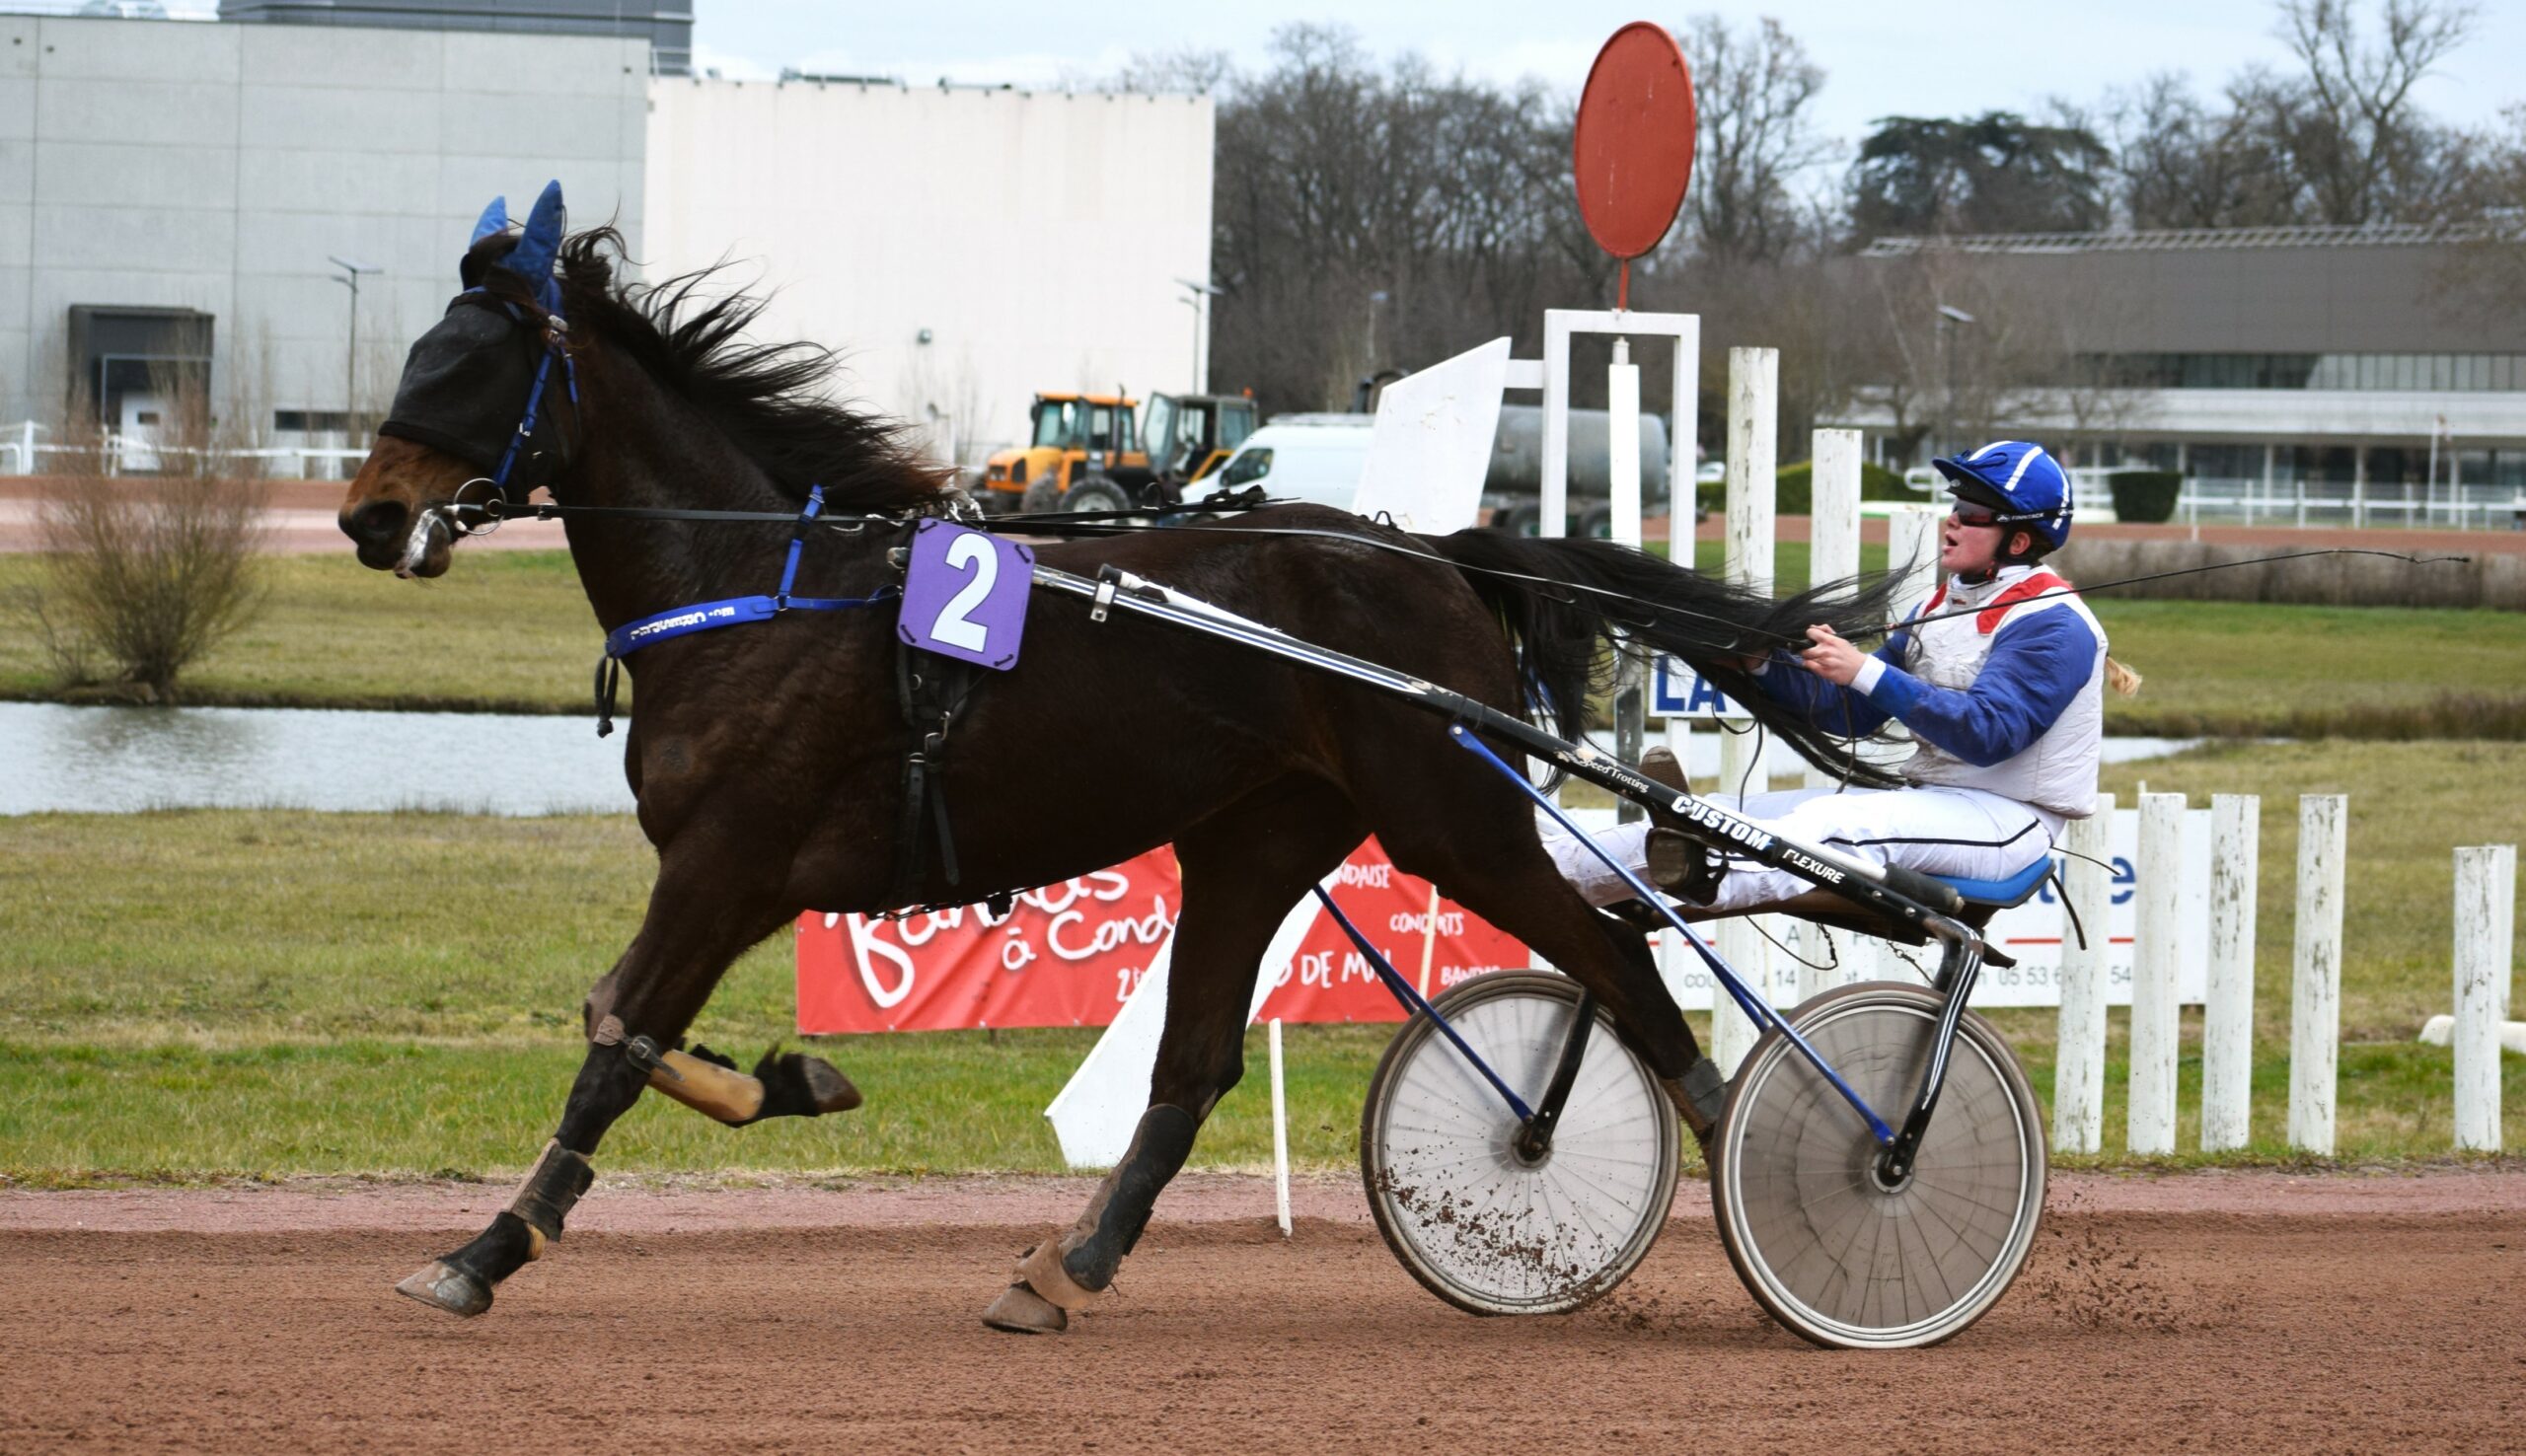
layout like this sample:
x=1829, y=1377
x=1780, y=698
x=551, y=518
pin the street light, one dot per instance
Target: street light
x=349, y=278
x=1197, y=298
x=1948, y=318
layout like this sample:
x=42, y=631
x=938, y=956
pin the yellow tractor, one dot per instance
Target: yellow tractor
x=1083, y=453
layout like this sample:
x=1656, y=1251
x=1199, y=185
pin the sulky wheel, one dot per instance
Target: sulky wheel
x=1824, y=1245
x=1478, y=1225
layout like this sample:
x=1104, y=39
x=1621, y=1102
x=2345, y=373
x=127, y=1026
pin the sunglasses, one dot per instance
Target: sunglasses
x=1972, y=515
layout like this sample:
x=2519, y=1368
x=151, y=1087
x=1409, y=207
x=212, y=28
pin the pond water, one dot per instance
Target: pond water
x=120, y=760
x=132, y=758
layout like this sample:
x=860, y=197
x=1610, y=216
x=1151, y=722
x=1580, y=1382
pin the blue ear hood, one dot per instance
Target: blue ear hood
x=494, y=219
x=537, y=246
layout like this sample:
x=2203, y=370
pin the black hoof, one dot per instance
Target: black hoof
x=796, y=1085
x=442, y=1285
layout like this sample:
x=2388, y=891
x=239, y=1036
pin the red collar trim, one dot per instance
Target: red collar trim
x=1989, y=618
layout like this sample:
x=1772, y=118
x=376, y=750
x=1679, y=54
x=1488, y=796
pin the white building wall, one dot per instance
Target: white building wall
x=214, y=167
x=1036, y=235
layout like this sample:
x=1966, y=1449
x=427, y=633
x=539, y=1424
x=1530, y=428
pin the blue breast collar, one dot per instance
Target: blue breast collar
x=703, y=616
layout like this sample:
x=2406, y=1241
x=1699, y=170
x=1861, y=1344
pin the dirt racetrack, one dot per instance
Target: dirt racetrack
x=2220, y=1311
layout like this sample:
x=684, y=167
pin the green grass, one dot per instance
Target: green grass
x=505, y=632
x=258, y=993
x=511, y=631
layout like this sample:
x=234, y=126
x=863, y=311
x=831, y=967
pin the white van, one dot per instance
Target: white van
x=1314, y=458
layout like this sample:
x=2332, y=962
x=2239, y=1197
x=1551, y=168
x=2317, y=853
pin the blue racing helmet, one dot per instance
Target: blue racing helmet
x=2019, y=481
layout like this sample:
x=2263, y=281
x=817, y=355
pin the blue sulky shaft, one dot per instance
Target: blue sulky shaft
x=1413, y=1000
x=1753, y=1005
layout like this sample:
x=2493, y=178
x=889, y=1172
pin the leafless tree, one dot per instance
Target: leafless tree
x=1753, y=87
x=2357, y=145
x=150, y=573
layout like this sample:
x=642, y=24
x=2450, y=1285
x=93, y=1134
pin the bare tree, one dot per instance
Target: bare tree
x=1753, y=89
x=151, y=573
x=2356, y=143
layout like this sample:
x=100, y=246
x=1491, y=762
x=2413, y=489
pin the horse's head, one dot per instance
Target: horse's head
x=477, y=414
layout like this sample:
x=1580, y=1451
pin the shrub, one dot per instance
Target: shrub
x=2144, y=495
x=148, y=573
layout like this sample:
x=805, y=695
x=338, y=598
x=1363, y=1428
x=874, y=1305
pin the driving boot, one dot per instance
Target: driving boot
x=1678, y=864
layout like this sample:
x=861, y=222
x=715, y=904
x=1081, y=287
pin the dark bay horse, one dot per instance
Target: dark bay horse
x=769, y=759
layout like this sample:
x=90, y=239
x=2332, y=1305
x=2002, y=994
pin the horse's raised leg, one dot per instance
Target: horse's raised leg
x=698, y=924
x=1243, y=869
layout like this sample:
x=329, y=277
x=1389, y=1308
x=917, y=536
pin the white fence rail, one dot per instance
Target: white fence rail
x=2208, y=500
x=24, y=452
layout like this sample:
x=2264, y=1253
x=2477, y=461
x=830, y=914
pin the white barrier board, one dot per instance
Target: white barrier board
x=2034, y=931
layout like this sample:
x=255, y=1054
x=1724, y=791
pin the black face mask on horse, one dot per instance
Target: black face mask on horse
x=477, y=386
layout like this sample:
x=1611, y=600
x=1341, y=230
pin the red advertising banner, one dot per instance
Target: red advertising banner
x=1071, y=954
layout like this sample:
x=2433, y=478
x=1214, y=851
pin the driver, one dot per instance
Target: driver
x=2005, y=704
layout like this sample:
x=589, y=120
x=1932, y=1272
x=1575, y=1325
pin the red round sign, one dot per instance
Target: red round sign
x=1633, y=147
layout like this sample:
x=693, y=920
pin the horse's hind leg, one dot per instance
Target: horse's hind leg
x=701, y=918
x=1243, y=869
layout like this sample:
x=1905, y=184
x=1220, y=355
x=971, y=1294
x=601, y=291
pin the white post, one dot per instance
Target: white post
x=2227, y=1011
x=1911, y=548
x=1279, y=1130
x=1622, y=444
x=2078, y=1074
x=1833, y=556
x=1622, y=492
x=2155, y=954
x=1833, y=551
x=1753, y=446
x=1754, y=449
x=2485, y=931
x=2315, y=1007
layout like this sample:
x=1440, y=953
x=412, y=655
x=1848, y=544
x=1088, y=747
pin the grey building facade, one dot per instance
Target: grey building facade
x=2351, y=366
x=174, y=196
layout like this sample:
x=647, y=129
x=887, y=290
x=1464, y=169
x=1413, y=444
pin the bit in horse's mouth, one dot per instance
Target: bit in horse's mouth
x=417, y=549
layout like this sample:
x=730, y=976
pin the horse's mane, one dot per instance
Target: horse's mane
x=773, y=401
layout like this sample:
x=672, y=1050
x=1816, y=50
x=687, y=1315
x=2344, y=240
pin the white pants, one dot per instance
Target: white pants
x=1936, y=830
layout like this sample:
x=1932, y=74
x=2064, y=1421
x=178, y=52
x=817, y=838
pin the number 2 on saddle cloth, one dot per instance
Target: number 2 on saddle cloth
x=964, y=607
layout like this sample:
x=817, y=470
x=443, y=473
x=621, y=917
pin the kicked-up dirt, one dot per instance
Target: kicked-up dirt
x=2214, y=1311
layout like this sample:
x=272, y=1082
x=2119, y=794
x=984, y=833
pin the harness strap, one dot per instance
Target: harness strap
x=703, y=616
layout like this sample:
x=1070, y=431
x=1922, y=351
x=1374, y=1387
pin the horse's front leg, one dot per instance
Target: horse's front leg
x=698, y=922
x=1242, y=871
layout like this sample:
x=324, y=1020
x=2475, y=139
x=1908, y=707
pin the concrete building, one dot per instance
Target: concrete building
x=172, y=195
x=2280, y=369
x=667, y=27
x=963, y=247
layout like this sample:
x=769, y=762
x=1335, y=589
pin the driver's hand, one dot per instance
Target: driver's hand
x=1830, y=657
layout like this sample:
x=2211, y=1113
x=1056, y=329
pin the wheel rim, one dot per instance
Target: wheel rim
x=1839, y=1257
x=1499, y=1233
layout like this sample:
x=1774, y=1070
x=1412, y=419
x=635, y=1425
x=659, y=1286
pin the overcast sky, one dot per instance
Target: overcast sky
x=1880, y=56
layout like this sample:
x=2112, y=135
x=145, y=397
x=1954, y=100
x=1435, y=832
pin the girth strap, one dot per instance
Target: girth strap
x=931, y=691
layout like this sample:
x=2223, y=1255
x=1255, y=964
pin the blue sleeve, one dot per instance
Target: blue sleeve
x=2035, y=672
x=1841, y=711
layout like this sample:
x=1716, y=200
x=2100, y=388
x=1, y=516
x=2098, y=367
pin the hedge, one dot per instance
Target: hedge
x=2144, y=495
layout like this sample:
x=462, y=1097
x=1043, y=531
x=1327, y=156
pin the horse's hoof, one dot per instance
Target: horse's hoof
x=1021, y=1311
x=442, y=1285
x=827, y=1088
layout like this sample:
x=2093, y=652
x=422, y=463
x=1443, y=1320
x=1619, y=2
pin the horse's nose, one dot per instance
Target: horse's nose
x=378, y=522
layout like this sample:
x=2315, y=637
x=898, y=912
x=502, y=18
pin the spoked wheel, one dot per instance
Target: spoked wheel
x=1826, y=1245
x=1480, y=1226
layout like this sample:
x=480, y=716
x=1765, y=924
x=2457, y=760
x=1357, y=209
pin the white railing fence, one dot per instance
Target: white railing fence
x=25, y=451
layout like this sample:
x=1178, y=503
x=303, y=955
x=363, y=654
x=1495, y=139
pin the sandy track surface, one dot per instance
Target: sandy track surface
x=2265, y=1310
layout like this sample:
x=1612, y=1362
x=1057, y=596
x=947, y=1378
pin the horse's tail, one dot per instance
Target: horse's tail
x=1641, y=604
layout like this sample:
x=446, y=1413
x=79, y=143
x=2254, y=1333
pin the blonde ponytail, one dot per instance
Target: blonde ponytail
x=2124, y=681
